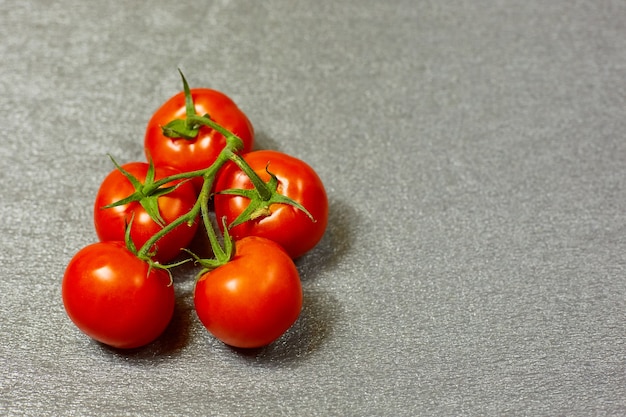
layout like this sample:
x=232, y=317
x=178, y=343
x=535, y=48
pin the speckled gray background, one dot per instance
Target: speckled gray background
x=474, y=154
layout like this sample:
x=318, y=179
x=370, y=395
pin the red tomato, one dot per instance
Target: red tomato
x=286, y=225
x=110, y=296
x=110, y=223
x=200, y=152
x=254, y=298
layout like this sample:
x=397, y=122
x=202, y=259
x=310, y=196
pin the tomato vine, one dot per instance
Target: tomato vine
x=234, y=258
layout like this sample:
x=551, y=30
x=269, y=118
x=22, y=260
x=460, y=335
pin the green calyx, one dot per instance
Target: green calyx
x=146, y=194
x=262, y=196
x=189, y=127
x=184, y=128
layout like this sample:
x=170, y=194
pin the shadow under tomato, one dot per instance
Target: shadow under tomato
x=320, y=311
x=337, y=241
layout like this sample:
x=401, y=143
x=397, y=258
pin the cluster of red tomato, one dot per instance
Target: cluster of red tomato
x=270, y=207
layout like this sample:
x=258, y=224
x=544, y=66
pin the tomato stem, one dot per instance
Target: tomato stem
x=261, y=187
x=221, y=255
x=199, y=208
x=181, y=176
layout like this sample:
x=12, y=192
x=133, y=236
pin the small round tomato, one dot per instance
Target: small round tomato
x=285, y=224
x=110, y=223
x=254, y=298
x=200, y=152
x=115, y=298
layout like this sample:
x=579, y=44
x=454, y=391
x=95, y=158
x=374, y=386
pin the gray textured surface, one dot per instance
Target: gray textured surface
x=474, y=154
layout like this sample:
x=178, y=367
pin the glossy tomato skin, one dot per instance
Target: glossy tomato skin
x=202, y=151
x=253, y=299
x=286, y=225
x=110, y=296
x=110, y=223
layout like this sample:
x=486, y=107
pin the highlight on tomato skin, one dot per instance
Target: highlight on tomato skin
x=290, y=227
x=252, y=300
x=115, y=298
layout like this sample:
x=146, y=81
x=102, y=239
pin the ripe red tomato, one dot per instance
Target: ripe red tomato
x=110, y=223
x=285, y=224
x=200, y=152
x=254, y=298
x=113, y=297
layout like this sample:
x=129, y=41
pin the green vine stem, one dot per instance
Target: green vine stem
x=200, y=207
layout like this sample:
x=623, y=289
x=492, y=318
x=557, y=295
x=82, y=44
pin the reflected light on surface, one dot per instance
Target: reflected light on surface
x=232, y=285
x=143, y=217
x=104, y=273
